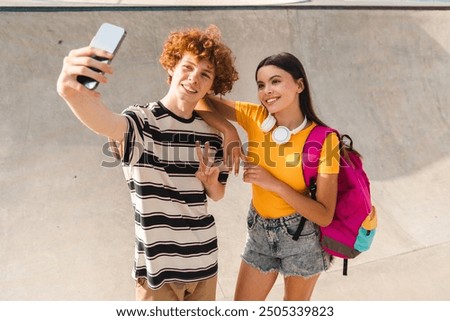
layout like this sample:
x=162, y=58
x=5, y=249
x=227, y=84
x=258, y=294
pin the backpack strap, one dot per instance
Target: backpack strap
x=345, y=267
x=311, y=155
x=299, y=230
x=310, y=163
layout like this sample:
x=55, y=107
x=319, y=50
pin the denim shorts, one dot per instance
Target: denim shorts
x=270, y=246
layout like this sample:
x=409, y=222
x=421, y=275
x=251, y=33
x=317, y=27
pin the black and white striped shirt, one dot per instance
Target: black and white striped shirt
x=176, y=237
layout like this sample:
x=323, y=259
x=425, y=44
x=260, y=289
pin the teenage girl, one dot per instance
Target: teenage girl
x=277, y=130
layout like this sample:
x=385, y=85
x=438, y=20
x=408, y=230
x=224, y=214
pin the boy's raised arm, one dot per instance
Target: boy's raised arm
x=87, y=104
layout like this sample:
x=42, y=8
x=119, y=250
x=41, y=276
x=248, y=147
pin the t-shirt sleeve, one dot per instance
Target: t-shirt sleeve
x=248, y=113
x=329, y=156
x=133, y=145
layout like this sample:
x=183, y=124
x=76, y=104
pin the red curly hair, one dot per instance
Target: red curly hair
x=204, y=45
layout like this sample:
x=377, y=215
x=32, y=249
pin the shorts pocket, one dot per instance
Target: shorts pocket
x=251, y=219
x=309, y=229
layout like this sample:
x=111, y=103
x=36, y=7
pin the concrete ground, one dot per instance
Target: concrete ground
x=378, y=73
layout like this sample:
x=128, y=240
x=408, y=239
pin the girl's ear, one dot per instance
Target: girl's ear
x=301, y=85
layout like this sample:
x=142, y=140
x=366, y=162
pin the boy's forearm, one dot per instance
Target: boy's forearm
x=97, y=117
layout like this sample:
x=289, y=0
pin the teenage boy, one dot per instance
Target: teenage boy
x=169, y=157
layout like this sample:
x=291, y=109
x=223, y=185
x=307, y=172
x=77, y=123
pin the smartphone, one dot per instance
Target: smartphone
x=109, y=38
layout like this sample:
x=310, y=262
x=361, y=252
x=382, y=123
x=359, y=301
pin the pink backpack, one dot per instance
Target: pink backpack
x=353, y=226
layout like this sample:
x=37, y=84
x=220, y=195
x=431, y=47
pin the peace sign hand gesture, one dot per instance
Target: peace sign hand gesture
x=208, y=173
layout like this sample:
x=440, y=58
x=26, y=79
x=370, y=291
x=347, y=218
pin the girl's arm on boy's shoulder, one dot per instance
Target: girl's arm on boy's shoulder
x=215, y=111
x=214, y=117
x=224, y=107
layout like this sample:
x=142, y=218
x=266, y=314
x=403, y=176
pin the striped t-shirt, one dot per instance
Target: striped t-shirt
x=176, y=237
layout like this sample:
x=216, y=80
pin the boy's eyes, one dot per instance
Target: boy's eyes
x=190, y=68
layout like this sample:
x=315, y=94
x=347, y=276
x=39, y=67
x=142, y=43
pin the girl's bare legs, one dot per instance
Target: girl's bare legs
x=252, y=284
x=297, y=288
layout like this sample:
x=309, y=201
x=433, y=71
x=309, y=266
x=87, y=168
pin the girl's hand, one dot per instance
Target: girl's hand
x=255, y=174
x=232, y=150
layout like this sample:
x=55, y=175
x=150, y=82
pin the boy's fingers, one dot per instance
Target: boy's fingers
x=209, y=157
x=90, y=52
x=198, y=150
x=100, y=65
x=101, y=53
x=87, y=57
x=80, y=52
x=206, y=152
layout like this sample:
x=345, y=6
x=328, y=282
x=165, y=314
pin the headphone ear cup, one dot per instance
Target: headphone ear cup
x=281, y=135
x=268, y=123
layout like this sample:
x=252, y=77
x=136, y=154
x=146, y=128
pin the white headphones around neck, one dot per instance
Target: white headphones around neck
x=281, y=134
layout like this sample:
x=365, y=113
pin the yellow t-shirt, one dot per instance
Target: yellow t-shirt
x=284, y=162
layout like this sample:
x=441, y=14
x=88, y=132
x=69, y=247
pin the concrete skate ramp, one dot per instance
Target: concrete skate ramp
x=379, y=75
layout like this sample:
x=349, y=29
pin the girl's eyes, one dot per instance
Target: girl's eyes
x=272, y=82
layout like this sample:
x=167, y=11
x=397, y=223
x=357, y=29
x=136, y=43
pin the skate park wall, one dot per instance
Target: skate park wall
x=380, y=76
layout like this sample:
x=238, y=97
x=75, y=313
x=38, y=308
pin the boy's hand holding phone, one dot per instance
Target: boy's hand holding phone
x=108, y=38
x=89, y=64
x=80, y=63
x=86, y=103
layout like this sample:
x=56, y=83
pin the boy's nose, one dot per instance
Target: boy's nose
x=193, y=77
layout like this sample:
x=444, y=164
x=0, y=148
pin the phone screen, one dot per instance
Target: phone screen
x=109, y=38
